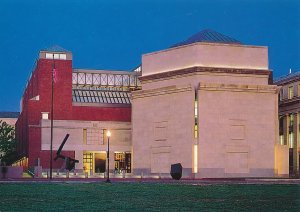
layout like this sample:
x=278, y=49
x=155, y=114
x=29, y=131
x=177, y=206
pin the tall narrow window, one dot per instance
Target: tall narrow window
x=281, y=134
x=291, y=140
x=84, y=136
x=291, y=92
x=291, y=131
x=291, y=121
x=195, y=158
x=281, y=139
x=196, y=131
x=123, y=162
x=88, y=162
x=196, y=116
x=281, y=94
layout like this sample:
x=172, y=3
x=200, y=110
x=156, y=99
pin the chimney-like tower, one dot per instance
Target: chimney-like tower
x=60, y=60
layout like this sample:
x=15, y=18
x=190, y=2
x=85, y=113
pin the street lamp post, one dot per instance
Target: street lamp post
x=51, y=124
x=108, y=134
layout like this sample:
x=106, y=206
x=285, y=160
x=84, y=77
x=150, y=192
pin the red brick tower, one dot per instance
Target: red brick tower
x=36, y=101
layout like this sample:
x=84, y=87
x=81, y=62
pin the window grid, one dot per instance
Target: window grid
x=105, y=97
x=290, y=92
x=105, y=80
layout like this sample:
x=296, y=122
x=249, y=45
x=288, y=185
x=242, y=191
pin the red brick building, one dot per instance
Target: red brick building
x=91, y=98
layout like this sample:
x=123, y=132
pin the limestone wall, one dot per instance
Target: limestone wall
x=162, y=122
x=237, y=130
x=206, y=55
x=96, y=139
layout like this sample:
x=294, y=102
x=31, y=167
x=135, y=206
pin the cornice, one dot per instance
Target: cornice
x=160, y=91
x=239, y=88
x=198, y=69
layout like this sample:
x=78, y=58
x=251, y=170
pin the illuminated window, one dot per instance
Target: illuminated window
x=291, y=120
x=49, y=56
x=45, y=115
x=291, y=140
x=196, y=116
x=196, y=109
x=281, y=140
x=122, y=162
x=281, y=134
x=56, y=56
x=195, y=158
x=196, y=130
x=88, y=162
x=62, y=56
x=84, y=136
x=290, y=92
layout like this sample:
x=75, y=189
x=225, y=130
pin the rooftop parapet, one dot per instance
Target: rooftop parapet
x=55, y=52
x=205, y=53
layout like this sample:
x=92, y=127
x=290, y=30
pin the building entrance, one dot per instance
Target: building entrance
x=122, y=162
x=291, y=162
x=88, y=162
x=94, y=162
x=100, y=162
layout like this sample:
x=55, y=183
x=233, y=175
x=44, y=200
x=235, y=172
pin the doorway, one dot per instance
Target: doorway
x=100, y=162
x=122, y=162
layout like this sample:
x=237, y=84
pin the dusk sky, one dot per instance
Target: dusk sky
x=114, y=34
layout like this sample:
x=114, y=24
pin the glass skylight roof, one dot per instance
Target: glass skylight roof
x=101, y=96
x=103, y=87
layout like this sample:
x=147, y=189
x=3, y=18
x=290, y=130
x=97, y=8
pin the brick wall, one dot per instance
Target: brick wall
x=28, y=125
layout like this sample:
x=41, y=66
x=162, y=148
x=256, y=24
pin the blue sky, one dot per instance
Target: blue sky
x=114, y=34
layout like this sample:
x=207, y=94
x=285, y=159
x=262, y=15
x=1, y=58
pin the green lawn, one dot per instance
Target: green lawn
x=147, y=197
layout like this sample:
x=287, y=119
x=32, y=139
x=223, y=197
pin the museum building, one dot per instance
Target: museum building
x=85, y=103
x=289, y=109
x=207, y=103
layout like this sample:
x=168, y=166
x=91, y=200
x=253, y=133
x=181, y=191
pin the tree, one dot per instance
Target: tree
x=7, y=142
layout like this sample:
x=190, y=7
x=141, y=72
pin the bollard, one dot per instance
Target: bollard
x=57, y=172
x=142, y=175
x=123, y=173
x=86, y=174
x=67, y=174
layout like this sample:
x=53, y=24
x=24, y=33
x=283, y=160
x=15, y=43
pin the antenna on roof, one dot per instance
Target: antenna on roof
x=290, y=71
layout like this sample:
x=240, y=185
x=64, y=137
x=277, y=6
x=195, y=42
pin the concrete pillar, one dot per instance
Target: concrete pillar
x=79, y=156
x=286, y=123
x=295, y=144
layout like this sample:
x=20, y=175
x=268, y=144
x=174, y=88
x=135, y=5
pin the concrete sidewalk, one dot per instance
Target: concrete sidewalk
x=152, y=180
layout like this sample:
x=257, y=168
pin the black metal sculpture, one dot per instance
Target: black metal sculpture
x=69, y=162
x=176, y=171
